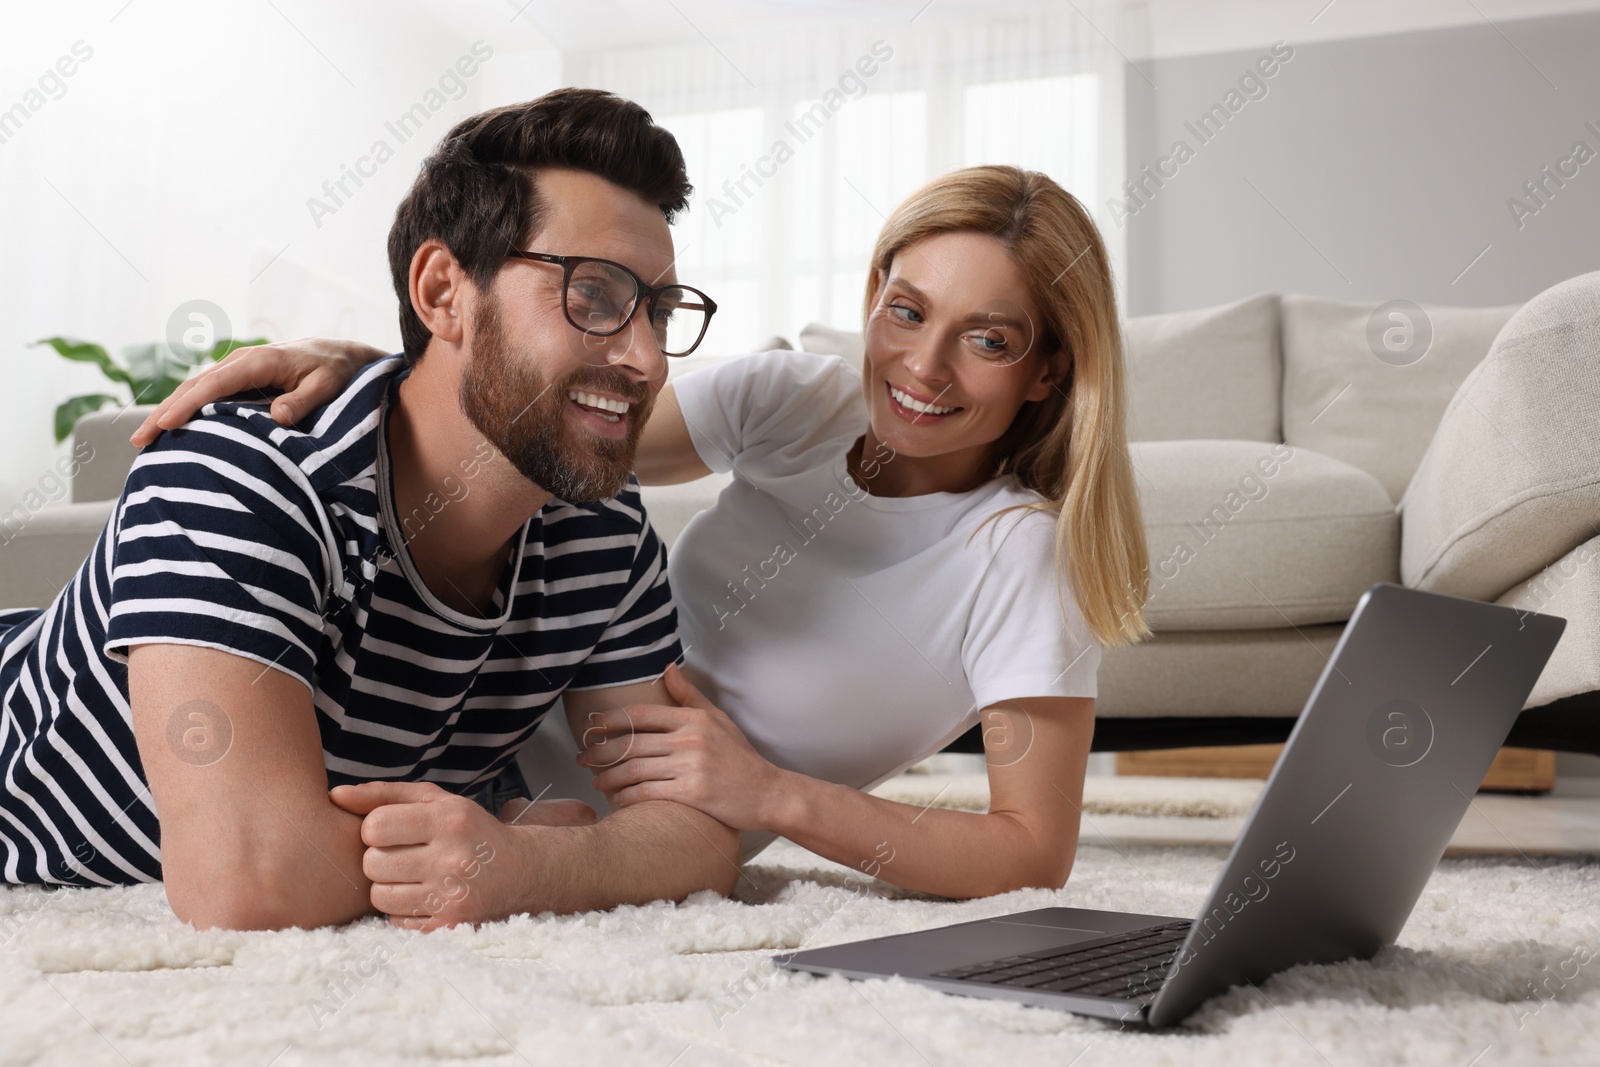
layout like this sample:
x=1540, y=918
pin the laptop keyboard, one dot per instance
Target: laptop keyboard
x=1127, y=965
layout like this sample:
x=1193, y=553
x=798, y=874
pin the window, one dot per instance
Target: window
x=797, y=161
x=720, y=252
x=873, y=155
x=1044, y=124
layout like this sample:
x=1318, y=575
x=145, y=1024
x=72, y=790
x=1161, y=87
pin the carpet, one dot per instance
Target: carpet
x=1496, y=966
x=1203, y=798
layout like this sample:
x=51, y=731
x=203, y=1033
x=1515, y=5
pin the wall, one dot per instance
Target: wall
x=1369, y=169
x=183, y=160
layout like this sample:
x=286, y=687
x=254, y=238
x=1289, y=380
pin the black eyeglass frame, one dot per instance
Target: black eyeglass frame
x=644, y=294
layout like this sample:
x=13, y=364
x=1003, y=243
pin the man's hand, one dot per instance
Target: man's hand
x=435, y=858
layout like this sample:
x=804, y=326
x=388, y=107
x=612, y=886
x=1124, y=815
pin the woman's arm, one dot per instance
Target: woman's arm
x=1029, y=836
x=666, y=453
x=313, y=370
x=310, y=371
x=1037, y=751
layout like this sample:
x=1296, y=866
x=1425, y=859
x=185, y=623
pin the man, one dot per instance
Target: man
x=388, y=598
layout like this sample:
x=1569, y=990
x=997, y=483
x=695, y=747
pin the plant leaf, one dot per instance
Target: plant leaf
x=70, y=411
x=156, y=370
x=87, y=352
x=145, y=362
x=155, y=390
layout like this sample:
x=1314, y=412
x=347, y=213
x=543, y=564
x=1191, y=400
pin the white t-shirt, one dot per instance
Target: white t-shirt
x=849, y=636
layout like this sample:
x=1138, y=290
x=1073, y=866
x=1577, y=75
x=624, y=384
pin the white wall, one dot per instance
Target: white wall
x=1373, y=168
x=179, y=159
x=1154, y=28
x=176, y=163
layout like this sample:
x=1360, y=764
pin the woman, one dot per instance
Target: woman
x=875, y=580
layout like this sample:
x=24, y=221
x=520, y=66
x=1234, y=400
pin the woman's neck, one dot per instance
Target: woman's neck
x=882, y=471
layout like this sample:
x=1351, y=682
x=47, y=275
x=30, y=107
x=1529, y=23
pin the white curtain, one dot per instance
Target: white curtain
x=800, y=142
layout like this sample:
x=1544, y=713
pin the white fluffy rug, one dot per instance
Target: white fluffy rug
x=108, y=976
x=1207, y=798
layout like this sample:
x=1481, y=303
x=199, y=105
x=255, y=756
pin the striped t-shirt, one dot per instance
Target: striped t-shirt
x=283, y=546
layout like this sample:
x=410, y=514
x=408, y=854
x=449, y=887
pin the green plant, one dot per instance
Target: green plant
x=151, y=373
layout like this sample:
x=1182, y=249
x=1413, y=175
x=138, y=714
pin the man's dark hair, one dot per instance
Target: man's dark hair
x=477, y=194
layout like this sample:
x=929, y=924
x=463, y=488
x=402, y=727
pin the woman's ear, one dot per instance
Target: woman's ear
x=1049, y=377
x=875, y=282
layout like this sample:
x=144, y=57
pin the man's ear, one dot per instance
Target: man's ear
x=437, y=290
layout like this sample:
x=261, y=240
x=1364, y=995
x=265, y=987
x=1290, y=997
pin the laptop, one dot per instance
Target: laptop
x=1413, y=705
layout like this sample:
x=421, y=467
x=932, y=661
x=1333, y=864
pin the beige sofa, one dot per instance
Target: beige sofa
x=1472, y=469
x=1290, y=452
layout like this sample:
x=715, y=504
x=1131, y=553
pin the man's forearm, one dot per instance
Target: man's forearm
x=657, y=850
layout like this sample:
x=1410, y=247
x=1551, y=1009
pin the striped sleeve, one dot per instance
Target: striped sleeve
x=220, y=542
x=642, y=637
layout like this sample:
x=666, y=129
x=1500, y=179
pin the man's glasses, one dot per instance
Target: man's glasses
x=600, y=298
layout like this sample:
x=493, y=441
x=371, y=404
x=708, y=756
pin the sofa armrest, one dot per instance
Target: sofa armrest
x=100, y=442
x=40, y=555
x=1509, y=483
x=1568, y=588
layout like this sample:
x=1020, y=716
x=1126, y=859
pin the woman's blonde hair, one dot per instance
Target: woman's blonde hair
x=1072, y=447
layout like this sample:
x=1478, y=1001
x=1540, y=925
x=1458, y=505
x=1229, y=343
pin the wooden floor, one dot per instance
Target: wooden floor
x=1509, y=816
x=1514, y=770
x=1495, y=824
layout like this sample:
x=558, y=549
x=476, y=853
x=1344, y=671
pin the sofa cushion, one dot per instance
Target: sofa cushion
x=1341, y=399
x=828, y=341
x=1202, y=673
x=1249, y=535
x=1511, y=480
x=1212, y=373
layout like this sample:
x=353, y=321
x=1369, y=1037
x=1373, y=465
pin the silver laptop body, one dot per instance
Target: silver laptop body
x=1413, y=705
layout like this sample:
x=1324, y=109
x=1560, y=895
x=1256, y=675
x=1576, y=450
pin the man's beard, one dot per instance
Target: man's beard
x=525, y=417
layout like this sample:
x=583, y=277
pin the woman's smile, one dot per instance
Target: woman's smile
x=915, y=407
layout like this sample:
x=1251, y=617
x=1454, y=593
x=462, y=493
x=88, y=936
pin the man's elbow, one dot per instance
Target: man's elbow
x=240, y=911
x=247, y=898
x=715, y=849
x=724, y=879
x=718, y=868
x=214, y=917
x=223, y=905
